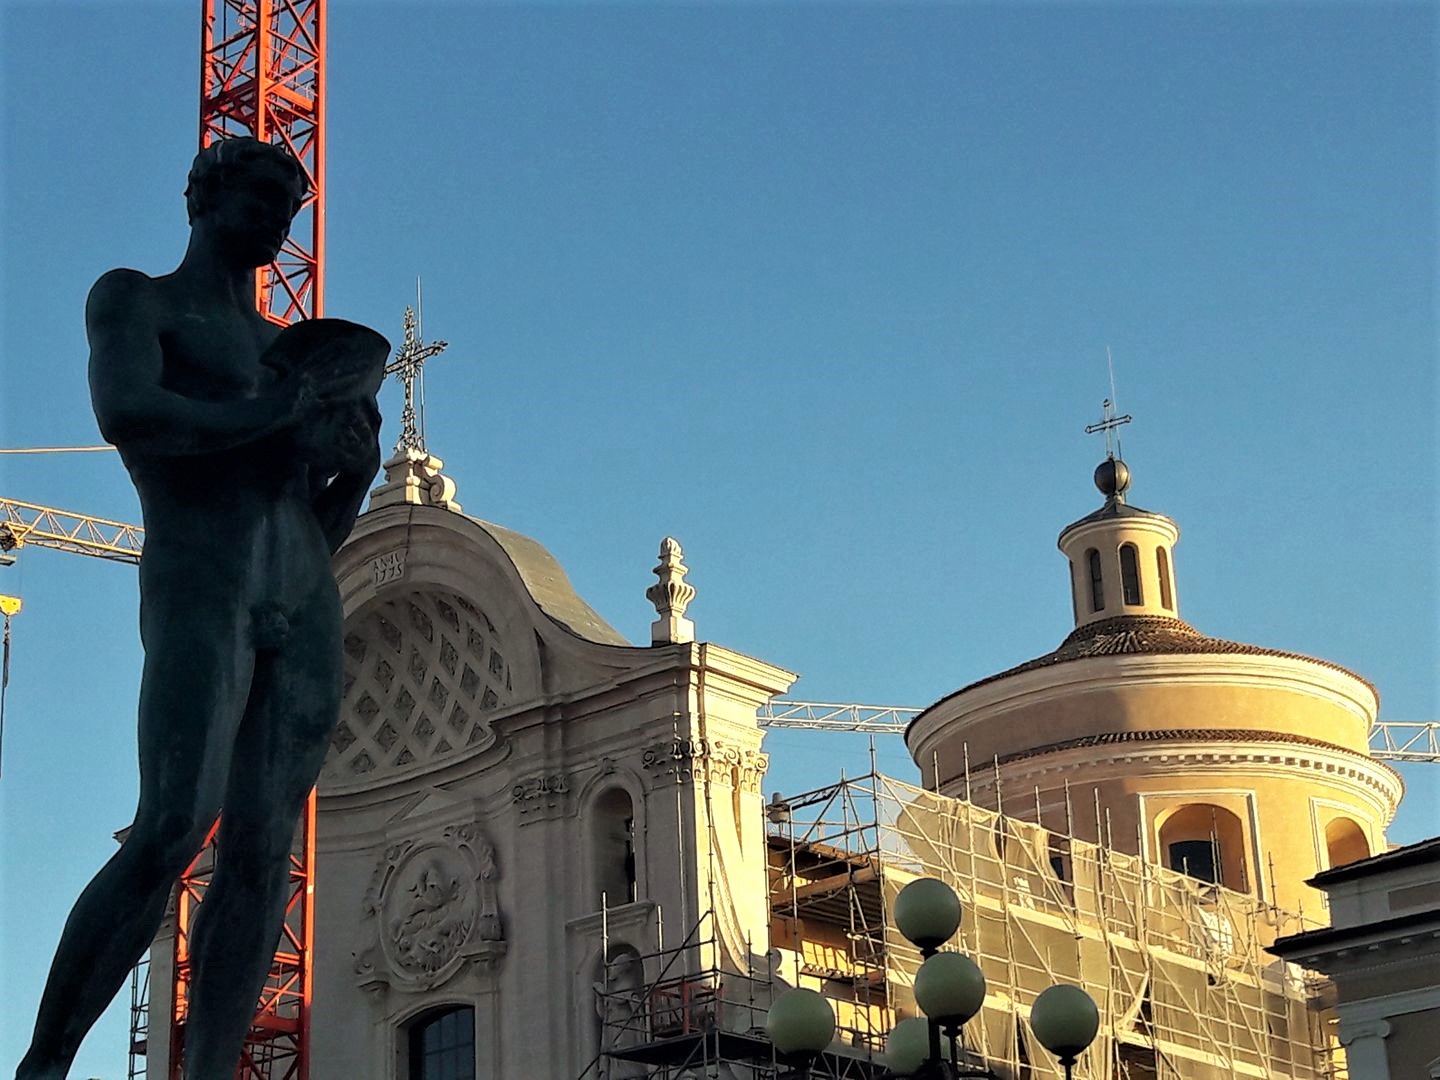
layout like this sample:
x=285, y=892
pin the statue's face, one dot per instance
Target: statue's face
x=250, y=212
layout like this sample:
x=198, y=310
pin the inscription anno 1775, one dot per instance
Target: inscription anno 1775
x=388, y=568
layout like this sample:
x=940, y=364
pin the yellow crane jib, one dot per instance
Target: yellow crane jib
x=24, y=523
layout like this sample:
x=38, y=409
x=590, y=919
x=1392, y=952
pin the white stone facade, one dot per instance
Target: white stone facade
x=503, y=759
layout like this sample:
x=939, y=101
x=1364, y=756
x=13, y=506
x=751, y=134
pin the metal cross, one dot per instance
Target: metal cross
x=1108, y=423
x=409, y=359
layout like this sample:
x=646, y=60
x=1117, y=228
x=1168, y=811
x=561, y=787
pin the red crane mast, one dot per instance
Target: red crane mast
x=262, y=73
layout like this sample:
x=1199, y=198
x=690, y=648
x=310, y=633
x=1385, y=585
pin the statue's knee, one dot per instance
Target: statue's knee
x=165, y=846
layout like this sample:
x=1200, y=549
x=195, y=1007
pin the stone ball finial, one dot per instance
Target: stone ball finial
x=1112, y=477
x=671, y=595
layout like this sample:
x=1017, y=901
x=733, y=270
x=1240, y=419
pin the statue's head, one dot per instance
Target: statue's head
x=247, y=192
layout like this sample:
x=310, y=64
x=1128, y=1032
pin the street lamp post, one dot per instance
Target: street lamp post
x=949, y=987
x=950, y=990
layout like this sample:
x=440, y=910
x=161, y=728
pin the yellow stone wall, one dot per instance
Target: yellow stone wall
x=1283, y=794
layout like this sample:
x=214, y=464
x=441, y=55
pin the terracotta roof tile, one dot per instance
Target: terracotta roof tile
x=1149, y=635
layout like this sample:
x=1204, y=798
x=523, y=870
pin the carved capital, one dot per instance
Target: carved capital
x=675, y=757
x=543, y=795
x=711, y=759
x=1352, y=1031
x=752, y=770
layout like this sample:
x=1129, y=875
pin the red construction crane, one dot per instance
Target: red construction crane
x=262, y=73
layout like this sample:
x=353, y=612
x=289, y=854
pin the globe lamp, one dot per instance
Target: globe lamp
x=908, y=1046
x=927, y=912
x=950, y=988
x=1065, y=1020
x=800, y=1023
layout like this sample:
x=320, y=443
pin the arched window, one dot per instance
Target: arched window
x=1074, y=592
x=1097, y=584
x=1162, y=564
x=1345, y=842
x=442, y=1045
x=1206, y=842
x=1130, y=573
x=612, y=847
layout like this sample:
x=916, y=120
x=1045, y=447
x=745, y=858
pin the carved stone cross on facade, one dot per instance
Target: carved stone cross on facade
x=409, y=359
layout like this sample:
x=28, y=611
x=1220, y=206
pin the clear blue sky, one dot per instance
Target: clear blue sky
x=824, y=291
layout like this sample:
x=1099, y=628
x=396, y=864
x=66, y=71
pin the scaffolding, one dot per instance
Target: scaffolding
x=1177, y=965
x=139, y=1019
x=665, y=1016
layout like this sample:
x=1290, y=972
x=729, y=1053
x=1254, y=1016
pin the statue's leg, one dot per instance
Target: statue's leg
x=192, y=694
x=278, y=754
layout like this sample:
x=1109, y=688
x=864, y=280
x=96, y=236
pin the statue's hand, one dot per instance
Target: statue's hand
x=341, y=436
x=290, y=402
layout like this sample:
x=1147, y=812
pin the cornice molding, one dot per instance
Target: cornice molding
x=1379, y=1008
x=1378, y=784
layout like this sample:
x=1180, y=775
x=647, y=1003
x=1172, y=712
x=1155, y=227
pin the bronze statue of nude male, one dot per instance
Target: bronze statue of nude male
x=251, y=448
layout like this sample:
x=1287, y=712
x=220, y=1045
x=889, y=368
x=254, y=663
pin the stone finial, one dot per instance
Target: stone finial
x=671, y=595
x=414, y=476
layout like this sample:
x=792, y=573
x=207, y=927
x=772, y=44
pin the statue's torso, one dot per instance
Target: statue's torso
x=238, y=520
x=209, y=353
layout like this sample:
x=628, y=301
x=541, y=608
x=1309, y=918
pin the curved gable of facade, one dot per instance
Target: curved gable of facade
x=450, y=624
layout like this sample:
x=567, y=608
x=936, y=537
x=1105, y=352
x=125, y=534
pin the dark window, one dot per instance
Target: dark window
x=614, y=848
x=1130, y=573
x=1074, y=593
x=442, y=1045
x=1197, y=858
x=1162, y=563
x=1097, y=585
x=1059, y=853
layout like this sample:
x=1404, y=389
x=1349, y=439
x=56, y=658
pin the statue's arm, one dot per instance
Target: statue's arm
x=122, y=322
x=338, y=503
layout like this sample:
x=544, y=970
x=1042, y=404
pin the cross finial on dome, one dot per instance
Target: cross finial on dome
x=1109, y=422
x=671, y=595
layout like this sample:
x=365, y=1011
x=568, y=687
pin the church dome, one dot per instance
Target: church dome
x=1139, y=730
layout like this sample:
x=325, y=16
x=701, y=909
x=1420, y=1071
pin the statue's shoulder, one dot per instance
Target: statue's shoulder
x=121, y=291
x=124, y=280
